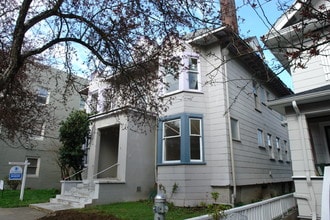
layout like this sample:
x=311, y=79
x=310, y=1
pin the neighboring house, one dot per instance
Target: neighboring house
x=42, y=148
x=308, y=111
x=217, y=136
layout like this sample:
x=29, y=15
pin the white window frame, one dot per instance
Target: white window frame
x=39, y=94
x=278, y=147
x=192, y=69
x=270, y=146
x=175, y=136
x=37, y=167
x=234, y=125
x=184, y=73
x=256, y=97
x=260, y=138
x=200, y=139
x=94, y=103
x=41, y=135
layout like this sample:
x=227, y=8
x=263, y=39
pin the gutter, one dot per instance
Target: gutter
x=311, y=200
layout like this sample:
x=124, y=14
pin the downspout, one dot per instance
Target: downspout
x=225, y=52
x=312, y=199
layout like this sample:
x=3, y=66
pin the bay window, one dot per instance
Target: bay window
x=180, y=139
x=187, y=79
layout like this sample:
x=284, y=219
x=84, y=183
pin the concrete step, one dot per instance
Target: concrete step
x=51, y=207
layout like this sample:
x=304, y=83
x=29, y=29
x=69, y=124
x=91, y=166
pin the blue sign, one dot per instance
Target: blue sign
x=15, y=173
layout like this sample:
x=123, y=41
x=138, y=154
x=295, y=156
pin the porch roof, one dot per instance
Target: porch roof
x=310, y=96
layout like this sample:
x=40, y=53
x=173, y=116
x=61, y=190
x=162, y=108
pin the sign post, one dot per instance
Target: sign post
x=14, y=174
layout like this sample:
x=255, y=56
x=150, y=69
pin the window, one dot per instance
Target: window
x=171, y=140
x=33, y=168
x=286, y=151
x=171, y=80
x=193, y=73
x=270, y=146
x=195, y=139
x=278, y=147
x=234, y=129
x=260, y=135
x=42, y=96
x=181, y=139
x=94, y=102
x=262, y=95
x=38, y=130
x=188, y=77
x=255, y=96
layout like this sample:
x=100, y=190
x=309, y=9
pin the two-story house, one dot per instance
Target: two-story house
x=308, y=111
x=41, y=150
x=216, y=136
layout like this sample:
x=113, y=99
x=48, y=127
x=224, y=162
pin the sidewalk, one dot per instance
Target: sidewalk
x=23, y=213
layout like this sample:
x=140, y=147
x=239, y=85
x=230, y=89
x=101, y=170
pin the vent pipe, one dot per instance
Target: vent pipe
x=228, y=14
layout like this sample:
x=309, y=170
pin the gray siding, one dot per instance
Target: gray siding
x=47, y=148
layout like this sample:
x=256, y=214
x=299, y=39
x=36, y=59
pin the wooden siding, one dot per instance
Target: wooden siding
x=313, y=76
x=253, y=163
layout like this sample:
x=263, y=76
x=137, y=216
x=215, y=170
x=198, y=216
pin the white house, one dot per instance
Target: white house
x=308, y=111
x=217, y=135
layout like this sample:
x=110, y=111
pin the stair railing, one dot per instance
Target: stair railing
x=106, y=169
x=80, y=171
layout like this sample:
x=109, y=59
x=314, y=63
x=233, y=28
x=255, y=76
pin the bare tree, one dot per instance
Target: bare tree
x=111, y=32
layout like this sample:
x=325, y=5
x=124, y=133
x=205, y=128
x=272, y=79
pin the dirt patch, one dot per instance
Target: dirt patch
x=76, y=215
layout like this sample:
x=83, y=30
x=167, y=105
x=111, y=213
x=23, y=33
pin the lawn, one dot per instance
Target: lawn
x=10, y=198
x=141, y=210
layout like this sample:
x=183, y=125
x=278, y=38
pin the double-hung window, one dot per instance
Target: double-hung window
x=181, y=139
x=278, y=147
x=186, y=78
x=171, y=140
x=270, y=146
x=193, y=74
x=33, y=167
x=260, y=136
x=42, y=96
x=195, y=127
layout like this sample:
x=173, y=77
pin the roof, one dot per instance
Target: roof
x=306, y=97
x=243, y=51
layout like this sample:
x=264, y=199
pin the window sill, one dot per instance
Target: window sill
x=262, y=147
x=272, y=159
x=182, y=91
x=179, y=164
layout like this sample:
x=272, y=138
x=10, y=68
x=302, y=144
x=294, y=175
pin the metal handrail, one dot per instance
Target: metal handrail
x=80, y=171
x=102, y=171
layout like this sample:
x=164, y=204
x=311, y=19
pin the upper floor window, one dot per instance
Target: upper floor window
x=235, y=134
x=42, y=96
x=181, y=140
x=255, y=95
x=270, y=146
x=193, y=74
x=94, y=102
x=188, y=77
x=171, y=80
x=260, y=135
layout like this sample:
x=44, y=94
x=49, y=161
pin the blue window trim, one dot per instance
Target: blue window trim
x=184, y=140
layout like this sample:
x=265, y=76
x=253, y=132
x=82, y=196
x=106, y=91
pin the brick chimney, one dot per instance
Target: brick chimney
x=228, y=14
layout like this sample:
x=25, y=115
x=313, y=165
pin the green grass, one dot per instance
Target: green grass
x=142, y=210
x=10, y=198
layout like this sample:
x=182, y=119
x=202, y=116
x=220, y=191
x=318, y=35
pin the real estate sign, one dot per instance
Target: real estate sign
x=15, y=173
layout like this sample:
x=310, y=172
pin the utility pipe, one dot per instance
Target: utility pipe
x=225, y=52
